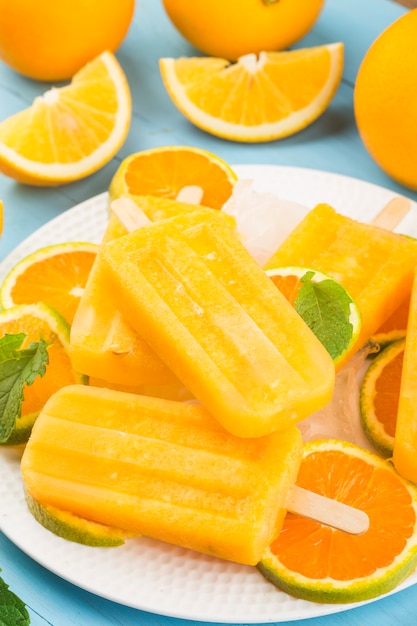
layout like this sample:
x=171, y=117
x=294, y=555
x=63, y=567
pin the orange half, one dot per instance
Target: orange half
x=166, y=171
x=56, y=275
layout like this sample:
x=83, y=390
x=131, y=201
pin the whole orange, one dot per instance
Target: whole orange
x=232, y=28
x=52, y=39
x=385, y=100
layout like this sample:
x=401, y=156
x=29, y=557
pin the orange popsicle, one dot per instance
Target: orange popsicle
x=211, y=314
x=163, y=469
x=103, y=345
x=373, y=264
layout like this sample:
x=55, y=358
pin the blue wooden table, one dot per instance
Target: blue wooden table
x=331, y=144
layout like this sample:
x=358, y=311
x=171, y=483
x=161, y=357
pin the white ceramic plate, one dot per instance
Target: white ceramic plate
x=146, y=574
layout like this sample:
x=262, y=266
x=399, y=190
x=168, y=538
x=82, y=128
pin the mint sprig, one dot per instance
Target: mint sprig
x=325, y=307
x=17, y=368
x=13, y=611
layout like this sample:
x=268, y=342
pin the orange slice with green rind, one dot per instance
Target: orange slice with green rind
x=315, y=562
x=74, y=528
x=39, y=321
x=324, y=304
x=379, y=396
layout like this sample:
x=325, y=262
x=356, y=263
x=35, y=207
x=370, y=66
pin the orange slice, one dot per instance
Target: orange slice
x=55, y=275
x=380, y=395
x=258, y=98
x=166, y=171
x=70, y=132
x=74, y=528
x=39, y=321
x=324, y=304
x=395, y=326
x=316, y=562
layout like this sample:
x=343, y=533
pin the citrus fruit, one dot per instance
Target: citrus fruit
x=385, y=96
x=316, y=562
x=55, y=275
x=39, y=321
x=74, y=528
x=165, y=171
x=237, y=27
x=323, y=303
x=52, y=40
x=379, y=396
x=70, y=132
x=395, y=326
x=258, y=98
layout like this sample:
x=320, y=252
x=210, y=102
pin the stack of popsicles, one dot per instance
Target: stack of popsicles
x=216, y=477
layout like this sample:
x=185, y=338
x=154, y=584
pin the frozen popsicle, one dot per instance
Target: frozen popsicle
x=211, y=314
x=162, y=469
x=405, y=440
x=103, y=345
x=373, y=264
x=169, y=471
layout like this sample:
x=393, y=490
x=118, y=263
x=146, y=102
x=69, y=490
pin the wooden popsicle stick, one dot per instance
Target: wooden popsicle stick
x=132, y=217
x=193, y=194
x=128, y=213
x=327, y=511
x=393, y=212
x=314, y=506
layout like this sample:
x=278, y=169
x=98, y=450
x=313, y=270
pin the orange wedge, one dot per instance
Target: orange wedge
x=70, y=132
x=258, y=98
x=166, y=171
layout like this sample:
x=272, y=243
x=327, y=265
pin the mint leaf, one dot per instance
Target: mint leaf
x=17, y=368
x=13, y=611
x=325, y=307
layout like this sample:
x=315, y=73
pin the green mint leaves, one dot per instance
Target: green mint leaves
x=17, y=368
x=325, y=307
x=13, y=611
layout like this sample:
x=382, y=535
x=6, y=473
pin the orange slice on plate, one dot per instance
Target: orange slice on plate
x=69, y=132
x=258, y=98
x=166, y=171
x=380, y=395
x=395, y=326
x=316, y=562
x=324, y=304
x=38, y=321
x=56, y=275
